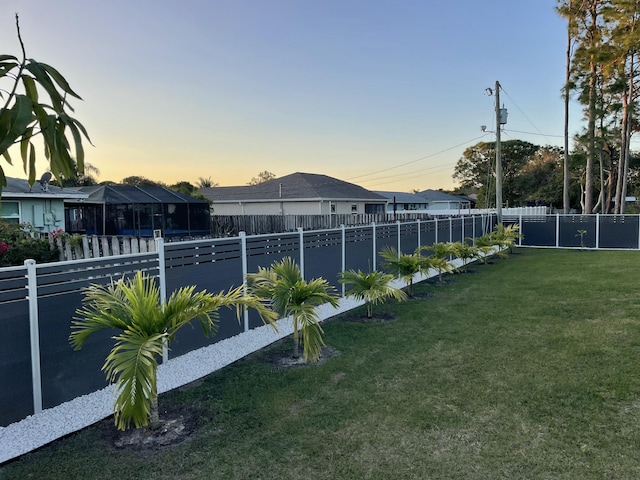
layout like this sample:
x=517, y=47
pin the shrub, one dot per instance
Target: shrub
x=17, y=245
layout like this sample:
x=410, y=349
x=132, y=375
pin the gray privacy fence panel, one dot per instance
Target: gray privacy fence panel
x=263, y=250
x=456, y=230
x=13, y=285
x=15, y=357
x=323, y=255
x=536, y=231
x=569, y=227
x=619, y=231
x=67, y=373
x=408, y=237
x=386, y=236
x=443, y=227
x=359, y=248
x=470, y=231
x=212, y=265
x=428, y=233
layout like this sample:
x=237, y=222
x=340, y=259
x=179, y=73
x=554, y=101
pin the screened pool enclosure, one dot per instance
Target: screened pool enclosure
x=138, y=211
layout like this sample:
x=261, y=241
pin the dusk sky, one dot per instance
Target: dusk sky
x=384, y=94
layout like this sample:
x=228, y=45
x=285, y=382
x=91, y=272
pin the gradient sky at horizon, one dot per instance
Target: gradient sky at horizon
x=386, y=94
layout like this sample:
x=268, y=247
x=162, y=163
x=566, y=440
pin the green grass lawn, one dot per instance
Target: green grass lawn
x=523, y=368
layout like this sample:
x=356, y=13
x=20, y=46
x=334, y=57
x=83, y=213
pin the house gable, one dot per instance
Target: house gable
x=297, y=193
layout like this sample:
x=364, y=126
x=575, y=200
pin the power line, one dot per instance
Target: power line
x=533, y=133
x=399, y=180
x=523, y=114
x=419, y=159
x=440, y=167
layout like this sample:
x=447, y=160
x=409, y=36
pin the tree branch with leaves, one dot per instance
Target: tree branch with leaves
x=26, y=115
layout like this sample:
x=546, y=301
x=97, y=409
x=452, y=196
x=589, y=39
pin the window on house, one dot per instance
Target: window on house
x=354, y=208
x=10, y=211
x=333, y=208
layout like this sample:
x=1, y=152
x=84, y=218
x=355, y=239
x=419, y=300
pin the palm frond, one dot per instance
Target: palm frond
x=288, y=294
x=373, y=287
x=132, y=365
x=104, y=307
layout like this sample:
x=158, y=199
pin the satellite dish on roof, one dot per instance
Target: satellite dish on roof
x=44, y=181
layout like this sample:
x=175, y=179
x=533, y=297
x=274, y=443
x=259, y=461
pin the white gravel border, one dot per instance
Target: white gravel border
x=53, y=423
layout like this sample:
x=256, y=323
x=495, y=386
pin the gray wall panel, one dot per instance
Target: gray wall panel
x=66, y=373
x=16, y=393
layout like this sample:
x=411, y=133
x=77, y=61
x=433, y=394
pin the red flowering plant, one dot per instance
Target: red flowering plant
x=17, y=245
x=59, y=233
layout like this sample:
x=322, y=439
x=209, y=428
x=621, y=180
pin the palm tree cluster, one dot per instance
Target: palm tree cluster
x=147, y=325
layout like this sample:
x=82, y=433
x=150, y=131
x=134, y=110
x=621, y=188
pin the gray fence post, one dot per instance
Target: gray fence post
x=419, y=240
x=451, y=229
x=34, y=334
x=301, y=237
x=344, y=254
x=462, y=227
x=597, y=230
x=557, y=230
x=245, y=270
x=398, y=225
x=373, y=236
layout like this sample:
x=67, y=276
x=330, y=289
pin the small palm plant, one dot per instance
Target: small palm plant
x=484, y=250
x=290, y=295
x=405, y=266
x=465, y=252
x=374, y=287
x=506, y=236
x=133, y=307
x=440, y=262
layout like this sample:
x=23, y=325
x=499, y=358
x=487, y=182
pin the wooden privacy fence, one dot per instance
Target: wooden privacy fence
x=76, y=247
x=232, y=225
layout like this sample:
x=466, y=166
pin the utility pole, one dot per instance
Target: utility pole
x=498, y=156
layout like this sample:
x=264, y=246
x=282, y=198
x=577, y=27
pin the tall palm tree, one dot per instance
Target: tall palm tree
x=374, y=287
x=133, y=307
x=405, y=266
x=291, y=295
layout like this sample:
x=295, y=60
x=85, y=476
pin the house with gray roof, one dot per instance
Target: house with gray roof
x=437, y=200
x=42, y=206
x=403, y=202
x=295, y=194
